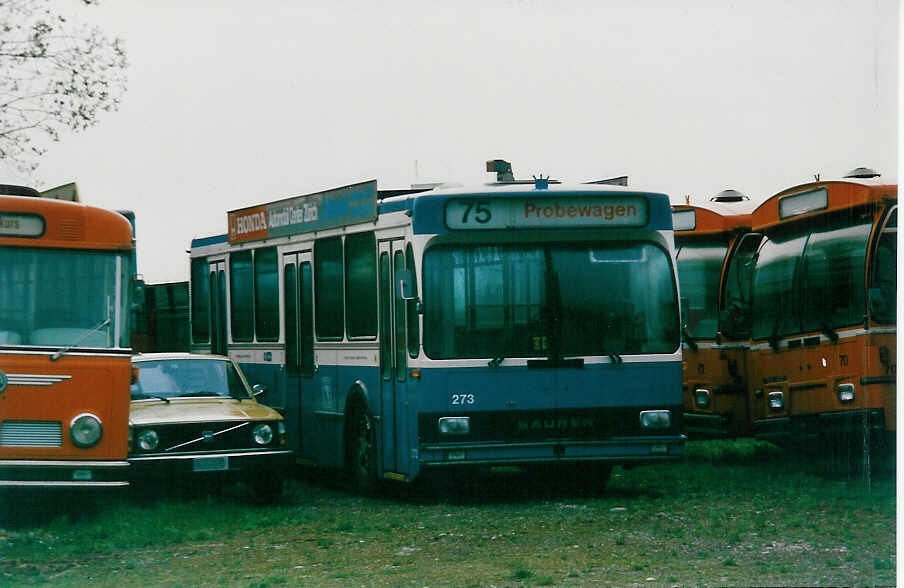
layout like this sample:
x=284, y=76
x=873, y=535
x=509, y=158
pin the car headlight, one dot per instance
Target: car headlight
x=148, y=440
x=262, y=434
x=85, y=430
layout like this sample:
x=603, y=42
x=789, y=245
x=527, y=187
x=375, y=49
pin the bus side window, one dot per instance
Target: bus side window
x=200, y=301
x=328, y=291
x=414, y=334
x=883, y=291
x=241, y=309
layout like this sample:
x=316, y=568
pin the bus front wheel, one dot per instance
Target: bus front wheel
x=362, y=452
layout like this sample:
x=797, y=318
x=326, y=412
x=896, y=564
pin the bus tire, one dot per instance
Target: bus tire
x=593, y=477
x=362, y=452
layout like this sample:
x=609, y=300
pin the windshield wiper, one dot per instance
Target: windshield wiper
x=148, y=396
x=496, y=361
x=197, y=394
x=616, y=358
x=63, y=350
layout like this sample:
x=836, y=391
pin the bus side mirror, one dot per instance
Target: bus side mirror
x=405, y=282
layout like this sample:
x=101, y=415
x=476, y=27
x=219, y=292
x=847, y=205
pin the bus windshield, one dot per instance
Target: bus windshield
x=551, y=300
x=59, y=297
x=811, y=279
x=699, y=269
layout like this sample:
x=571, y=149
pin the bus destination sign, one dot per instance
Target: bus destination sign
x=543, y=213
x=14, y=224
x=303, y=214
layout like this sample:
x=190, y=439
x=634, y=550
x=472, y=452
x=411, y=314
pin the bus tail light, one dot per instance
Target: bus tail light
x=701, y=397
x=776, y=400
x=455, y=425
x=655, y=419
x=845, y=393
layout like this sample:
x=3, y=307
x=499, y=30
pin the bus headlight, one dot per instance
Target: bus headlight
x=776, y=400
x=701, y=397
x=85, y=430
x=455, y=425
x=655, y=419
x=845, y=393
x=262, y=434
x=148, y=440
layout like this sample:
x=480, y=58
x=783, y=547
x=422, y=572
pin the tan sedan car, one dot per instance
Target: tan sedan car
x=194, y=420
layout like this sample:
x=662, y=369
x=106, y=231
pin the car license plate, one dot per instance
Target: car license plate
x=211, y=464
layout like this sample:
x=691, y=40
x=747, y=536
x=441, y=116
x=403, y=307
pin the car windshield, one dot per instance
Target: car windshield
x=181, y=378
x=557, y=299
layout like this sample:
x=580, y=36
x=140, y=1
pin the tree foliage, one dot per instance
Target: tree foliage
x=54, y=75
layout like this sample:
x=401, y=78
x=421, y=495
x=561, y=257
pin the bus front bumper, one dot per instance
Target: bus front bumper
x=615, y=450
x=37, y=473
x=870, y=420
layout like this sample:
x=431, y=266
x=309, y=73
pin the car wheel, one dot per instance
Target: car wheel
x=266, y=487
x=362, y=453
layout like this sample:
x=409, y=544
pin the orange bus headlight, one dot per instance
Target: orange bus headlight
x=701, y=397
x=85, y=430
x=776, y=400
x=845, y=393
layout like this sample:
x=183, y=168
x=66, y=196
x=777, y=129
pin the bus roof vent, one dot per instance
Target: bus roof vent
x=729, y=196
x=862, y=172
x=503, y=170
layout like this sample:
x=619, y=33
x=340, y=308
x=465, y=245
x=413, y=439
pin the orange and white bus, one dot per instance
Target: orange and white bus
x=822, y=313
x=65, y=361
x=714, y=362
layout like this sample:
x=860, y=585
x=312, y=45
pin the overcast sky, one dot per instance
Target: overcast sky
x=235, y=103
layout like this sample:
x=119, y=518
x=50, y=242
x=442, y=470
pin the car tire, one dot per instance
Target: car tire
x=266, y=487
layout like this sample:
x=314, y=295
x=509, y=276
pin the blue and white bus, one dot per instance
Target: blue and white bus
x=511, y=324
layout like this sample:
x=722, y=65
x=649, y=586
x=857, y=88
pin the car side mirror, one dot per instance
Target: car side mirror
x=258, y=389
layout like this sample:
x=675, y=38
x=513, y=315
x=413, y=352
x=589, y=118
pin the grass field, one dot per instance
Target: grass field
x=732, y=514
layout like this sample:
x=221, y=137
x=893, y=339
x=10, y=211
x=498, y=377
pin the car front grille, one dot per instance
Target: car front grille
x=203, y=437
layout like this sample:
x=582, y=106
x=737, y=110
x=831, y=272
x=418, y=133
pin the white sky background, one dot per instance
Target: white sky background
x=238, y=103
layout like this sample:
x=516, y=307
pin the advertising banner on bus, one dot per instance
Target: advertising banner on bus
x=302, y=214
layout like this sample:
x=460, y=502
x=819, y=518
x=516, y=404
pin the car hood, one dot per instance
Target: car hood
x=189, y=410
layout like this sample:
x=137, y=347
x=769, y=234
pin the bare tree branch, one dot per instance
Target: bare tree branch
x=54, y=75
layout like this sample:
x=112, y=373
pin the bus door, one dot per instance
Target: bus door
x=298, y=327
x=217, y=290
x=393, y=358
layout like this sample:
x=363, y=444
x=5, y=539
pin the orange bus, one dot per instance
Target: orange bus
x=714, y=362
x=822, y=314
x=65, y=361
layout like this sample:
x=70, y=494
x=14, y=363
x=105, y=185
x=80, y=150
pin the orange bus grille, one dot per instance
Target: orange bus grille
x=31, y=434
